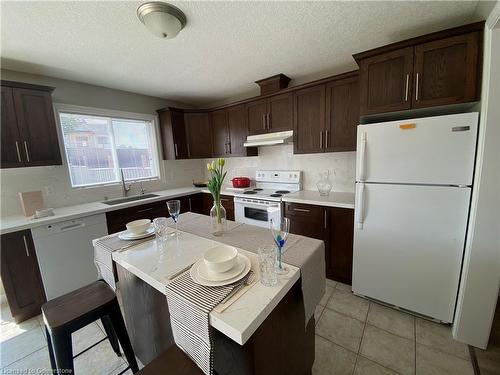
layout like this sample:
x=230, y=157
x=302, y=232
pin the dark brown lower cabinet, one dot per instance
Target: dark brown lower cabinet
x=116, y=220
x=203, y=202
x=335, y=226
x=21, y=276
x=339, y=236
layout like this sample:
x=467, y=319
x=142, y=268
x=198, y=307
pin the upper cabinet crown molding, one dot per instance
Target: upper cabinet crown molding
x=273, y=84
x=25, y=85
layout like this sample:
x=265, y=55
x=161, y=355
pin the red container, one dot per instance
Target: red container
x=241, y=182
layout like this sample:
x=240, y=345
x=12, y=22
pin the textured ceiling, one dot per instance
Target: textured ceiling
x=223, y=49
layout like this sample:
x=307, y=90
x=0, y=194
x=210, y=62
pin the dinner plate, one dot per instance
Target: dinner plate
x=208, y=275
x=129, y=236
x=197, y=279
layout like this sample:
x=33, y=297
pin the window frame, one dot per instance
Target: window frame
x=113, y=114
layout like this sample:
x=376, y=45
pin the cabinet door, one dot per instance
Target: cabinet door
x=220, y=135
x=21, y=275
x=280, y=113
x=309, y=120
x=198, y=135
x=37, y=127
x=342, y=114
x=173, y=135
x=228, y=203
x=256, y=117
x=339, y=244
x=11, y=156
x=385, y=82
x=306, y=220
x=446, y=71
x=238, y=131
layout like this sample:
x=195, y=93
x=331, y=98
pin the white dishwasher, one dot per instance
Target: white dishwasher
x=65, y=253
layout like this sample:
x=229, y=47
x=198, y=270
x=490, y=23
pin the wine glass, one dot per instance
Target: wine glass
x=160, y=225
x=280, y=229
x=174, y=209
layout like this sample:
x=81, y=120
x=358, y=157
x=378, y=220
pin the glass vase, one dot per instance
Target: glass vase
x=218, y=219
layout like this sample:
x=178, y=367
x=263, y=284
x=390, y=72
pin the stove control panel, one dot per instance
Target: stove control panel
x=289, y=177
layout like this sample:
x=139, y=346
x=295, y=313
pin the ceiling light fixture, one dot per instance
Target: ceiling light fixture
x=162, y=19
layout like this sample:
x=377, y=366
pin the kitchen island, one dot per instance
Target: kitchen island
x=266, y=330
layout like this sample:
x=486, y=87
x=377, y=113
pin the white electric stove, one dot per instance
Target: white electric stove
x=259, y=204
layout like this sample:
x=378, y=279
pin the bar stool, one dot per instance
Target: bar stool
x=171, y=362
x=68, y=313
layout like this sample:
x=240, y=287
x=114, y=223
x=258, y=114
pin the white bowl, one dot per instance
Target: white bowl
x=220, y=258
x=139, y=226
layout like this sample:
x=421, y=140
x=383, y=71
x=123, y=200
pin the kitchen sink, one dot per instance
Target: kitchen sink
x=129, y=199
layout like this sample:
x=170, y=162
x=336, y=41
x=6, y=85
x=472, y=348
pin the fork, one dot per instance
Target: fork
x=250, y=279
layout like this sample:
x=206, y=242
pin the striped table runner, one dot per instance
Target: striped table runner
x=189, y=305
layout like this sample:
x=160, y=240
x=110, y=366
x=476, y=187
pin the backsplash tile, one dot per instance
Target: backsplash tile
x=282, y=157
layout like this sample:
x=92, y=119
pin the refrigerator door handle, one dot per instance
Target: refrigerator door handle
x=362, y=150
x=360, y=205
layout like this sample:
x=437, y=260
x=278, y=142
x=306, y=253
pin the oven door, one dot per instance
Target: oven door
x=255, y=212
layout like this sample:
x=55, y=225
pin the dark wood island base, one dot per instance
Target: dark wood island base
x=283, y=344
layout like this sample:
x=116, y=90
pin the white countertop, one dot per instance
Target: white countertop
x=240, y=320
x=334, y=199
x=20, y=222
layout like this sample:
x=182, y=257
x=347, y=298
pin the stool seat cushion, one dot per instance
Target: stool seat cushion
x=173, y=361
x=69, y=307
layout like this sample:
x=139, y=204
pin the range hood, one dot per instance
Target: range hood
x=269, y=139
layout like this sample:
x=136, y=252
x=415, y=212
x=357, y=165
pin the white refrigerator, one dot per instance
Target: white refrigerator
x=413, y=189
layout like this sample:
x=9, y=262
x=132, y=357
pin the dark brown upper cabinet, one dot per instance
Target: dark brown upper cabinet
x=385, y=82
x=238, y=131
x=173, y=134
x=220, y=133
x=28, y=129
x=229, y=132
x=309, y=120
x=436, y=69
x=20, y=275
x=446, y=71
x=273, y=114
x=199, y=135
x=342, y=114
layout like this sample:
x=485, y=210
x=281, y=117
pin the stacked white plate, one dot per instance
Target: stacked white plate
x=203, y=276
x=129, y=236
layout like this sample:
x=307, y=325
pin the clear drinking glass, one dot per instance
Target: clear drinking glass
x=280, y=230
x=160, y=224
x=174, y=209
x=161, y=229
x=267, y=265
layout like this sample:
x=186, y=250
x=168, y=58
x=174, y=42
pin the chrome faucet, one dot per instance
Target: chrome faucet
x=143, y=189
x=125, y=188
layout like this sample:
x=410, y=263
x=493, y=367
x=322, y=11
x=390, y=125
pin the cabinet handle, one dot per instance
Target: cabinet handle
x=269, y=121
x=26, y=246
x=325, y=218
x=229, y=147
x=327, y=135
x=175, y=147
x=264, y=126
x=301, y=210
x=27, y=152
x=407, y=87
x=145, y=209
x=190, y=205
x=18, y=152
x=416, y=89
x=321, y=139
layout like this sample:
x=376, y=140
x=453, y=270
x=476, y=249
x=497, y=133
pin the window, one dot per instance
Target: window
x=100, y=148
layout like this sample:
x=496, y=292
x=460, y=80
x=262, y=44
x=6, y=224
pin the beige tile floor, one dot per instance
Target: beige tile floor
x=353, y=336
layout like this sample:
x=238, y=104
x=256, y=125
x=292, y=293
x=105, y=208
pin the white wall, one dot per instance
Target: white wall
x=282, y=157
x=54, y=180
x=481, y=272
